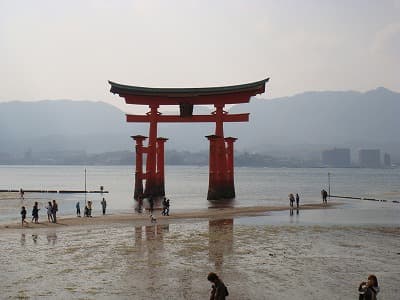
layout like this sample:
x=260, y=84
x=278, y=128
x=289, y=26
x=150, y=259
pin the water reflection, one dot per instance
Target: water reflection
x=150, y=233
x=34, y=238
x=150, y=243
x=291, y=214
x=224, y=203
x=51, y=238
x=220, y=240
x=23, y=239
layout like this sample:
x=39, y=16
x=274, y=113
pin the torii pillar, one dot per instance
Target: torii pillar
x=160, y=166
x=139, y=165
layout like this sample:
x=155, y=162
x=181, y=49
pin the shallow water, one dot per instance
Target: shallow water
x=171, y=261
x=187, y=186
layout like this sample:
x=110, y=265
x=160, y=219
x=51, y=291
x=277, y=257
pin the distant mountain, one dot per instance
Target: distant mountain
x=301, y=125
x=324, y=119
x=63, y=125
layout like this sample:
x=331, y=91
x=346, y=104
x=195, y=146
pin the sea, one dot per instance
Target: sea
x=291, y=254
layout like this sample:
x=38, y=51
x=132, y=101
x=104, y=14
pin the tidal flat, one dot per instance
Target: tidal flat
x=171, y=260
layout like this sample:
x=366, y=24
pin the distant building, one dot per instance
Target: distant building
x=387, y=162
x=337, y=157
x=369, y=158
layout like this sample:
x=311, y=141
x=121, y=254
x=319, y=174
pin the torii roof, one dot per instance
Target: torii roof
x=176, y=96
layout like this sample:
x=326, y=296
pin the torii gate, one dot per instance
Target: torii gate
x=221, y=171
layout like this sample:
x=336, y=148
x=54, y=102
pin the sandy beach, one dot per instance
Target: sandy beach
x=136, y=218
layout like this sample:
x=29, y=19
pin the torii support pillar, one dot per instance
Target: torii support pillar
x=160, y=166
x=230, y=181
x=151, y=188
x=221, y=184
x=139, y=166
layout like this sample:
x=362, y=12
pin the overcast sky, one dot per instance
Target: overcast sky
x=69, y=49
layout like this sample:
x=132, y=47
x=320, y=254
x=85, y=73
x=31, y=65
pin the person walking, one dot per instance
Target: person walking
x=49, y=208
x=54, y=211
x=23, y=216
x=167, y=209
x=35, y=213
x=218, y=289
x=103, y=206
x=297, y=200
x=78, y=209
x=368, y=289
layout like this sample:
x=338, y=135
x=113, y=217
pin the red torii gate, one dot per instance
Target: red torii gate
x=221, y=175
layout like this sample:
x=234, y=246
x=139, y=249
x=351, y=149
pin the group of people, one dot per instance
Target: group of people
x=165, y=205
x=88, y=208
x=52, y=208
x=292, y=199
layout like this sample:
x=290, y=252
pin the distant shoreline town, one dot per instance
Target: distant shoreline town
x=332, y=158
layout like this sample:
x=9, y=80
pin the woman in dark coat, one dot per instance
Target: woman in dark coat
x=219, y=290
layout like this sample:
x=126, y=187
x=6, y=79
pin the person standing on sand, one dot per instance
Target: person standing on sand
x=35, y=213
x=78, y=209
x=103, y=206
x=291, y=199
x=324, y=195
x=23, y=216
x=89, y=205
x=54, y=211
x=218, y=289
x=297, y=200
x=369, y=289
x=49, y=212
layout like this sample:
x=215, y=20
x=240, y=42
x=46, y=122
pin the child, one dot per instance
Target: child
x=23, y=216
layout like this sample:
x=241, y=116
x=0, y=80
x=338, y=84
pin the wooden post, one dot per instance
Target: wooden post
x=139, y=176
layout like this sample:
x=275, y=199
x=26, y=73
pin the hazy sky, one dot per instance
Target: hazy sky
x=69, y=49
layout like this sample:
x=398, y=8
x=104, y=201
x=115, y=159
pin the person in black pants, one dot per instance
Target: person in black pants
x=35, y=213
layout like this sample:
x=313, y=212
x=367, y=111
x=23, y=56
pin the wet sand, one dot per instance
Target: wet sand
x=143, y=218
x=134, y=259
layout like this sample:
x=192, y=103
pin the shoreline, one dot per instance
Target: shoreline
x=119, y=218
